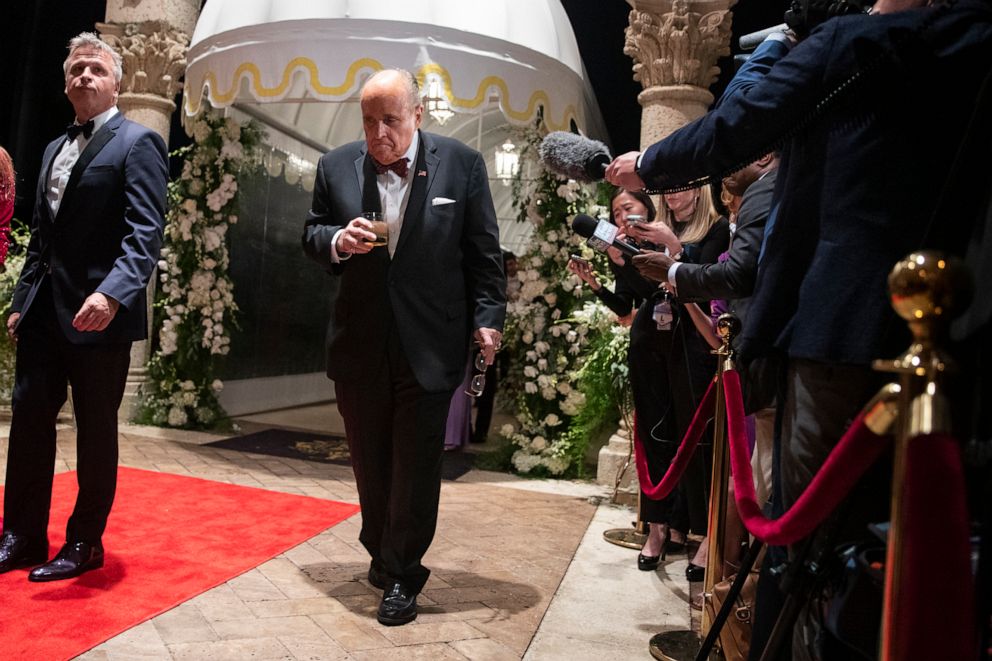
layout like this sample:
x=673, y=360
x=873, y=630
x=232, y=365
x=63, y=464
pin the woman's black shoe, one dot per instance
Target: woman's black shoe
x=695, y=573
x=647, y=562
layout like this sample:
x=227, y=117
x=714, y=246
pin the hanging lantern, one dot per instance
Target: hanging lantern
x=437, y=104
x=507, y=162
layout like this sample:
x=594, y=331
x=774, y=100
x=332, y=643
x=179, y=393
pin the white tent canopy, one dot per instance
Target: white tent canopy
x=523, y=51
x=297, y=66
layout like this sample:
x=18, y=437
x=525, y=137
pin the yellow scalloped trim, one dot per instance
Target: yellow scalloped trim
x=223, y=98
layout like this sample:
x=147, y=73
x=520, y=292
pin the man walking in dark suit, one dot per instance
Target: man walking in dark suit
x=398, y=340
x=80, y=302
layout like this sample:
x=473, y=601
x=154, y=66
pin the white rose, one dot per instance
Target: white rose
x=177, y=417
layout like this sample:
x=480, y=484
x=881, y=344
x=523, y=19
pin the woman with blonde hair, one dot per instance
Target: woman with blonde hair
x=7, y=192
x=690, y=229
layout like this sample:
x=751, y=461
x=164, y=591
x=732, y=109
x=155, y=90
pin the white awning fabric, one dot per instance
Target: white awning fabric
x=520, y=53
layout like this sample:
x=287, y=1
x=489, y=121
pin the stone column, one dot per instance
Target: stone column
x=675, y=45
x=152, y=36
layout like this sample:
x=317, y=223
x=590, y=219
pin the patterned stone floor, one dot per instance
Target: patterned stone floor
x=502, y=549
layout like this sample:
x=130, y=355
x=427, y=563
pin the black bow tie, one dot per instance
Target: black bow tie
x=73, y=130
x=400, y=167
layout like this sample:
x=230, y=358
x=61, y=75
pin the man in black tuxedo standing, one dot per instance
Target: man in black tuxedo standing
x=398, y=341
x=80, y=302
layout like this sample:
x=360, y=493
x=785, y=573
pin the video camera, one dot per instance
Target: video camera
x=803, y=16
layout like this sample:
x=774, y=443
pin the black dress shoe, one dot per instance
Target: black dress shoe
x=20, y=551
x=648, y=562
x=72, y=560
x=695, y=573
x=378, y=578
x=398, y=606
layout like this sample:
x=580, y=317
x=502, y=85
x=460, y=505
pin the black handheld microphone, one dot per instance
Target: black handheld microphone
x=600, y=235
x=574, y=156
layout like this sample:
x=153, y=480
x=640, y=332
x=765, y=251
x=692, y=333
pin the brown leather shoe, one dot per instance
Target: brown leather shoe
x=20, y=551
x=72, y=560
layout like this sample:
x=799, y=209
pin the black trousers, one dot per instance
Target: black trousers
x=669, y=373
x=395, y=432
x=46, y=363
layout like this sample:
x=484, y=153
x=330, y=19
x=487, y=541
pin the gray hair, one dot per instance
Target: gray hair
x=91, y=40
x=413, y=87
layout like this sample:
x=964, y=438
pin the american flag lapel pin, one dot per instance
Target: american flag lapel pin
x=421, y=173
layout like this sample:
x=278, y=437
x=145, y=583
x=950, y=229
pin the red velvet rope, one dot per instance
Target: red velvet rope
x=850, y=458
x=689, y=442
x=935, y=592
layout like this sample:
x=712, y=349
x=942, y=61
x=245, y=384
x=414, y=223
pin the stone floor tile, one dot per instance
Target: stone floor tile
x=297, y=626
x=352, y=633
x=419, y=633
x=469, y=610
x=254, y=586
x=315, y=649
x=184, y=624
x=290, y=607
x=431, y=652
x=289, y=579
x=140, y=642
x=484, y=649
x=221, y=603
x=256, y=649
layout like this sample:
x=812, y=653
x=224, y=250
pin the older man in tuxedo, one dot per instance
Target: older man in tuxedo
x=405, y=315
x=80, y=302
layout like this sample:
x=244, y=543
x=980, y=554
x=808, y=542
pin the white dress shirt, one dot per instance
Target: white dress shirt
x=65, y=159
x=394, y=195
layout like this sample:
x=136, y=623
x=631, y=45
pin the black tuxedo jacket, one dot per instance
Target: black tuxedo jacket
x=107, y=234
x=445, y=278
x=872, y=110
x=734, y=278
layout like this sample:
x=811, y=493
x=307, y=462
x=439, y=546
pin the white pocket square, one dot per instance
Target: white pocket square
x=438, y=201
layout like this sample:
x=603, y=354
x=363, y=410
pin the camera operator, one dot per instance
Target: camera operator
x=872, y=111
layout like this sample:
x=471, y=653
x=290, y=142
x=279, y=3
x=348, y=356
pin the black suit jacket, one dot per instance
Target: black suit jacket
x=872, y=110
x=445, y=278
x=734, y=278
x=107, y=234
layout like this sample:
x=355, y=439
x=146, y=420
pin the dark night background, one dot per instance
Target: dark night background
x=35, y=33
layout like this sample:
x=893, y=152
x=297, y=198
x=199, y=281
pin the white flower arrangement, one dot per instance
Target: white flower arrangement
x=195, y=307
x=550, y=324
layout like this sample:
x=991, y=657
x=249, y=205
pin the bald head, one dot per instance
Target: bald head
x=393, y=81
x=391, y=113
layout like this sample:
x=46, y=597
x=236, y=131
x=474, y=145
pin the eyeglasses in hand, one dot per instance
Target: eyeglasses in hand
x=478, y=382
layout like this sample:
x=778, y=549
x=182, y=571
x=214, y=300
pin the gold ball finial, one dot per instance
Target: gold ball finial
x=929, y=287
x=728, y=327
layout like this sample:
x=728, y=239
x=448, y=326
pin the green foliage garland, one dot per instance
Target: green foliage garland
x=565, y=344
x=194, y=305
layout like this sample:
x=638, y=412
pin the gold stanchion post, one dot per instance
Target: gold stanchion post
x=677, y=645
x=727, y=327
x=926, y=288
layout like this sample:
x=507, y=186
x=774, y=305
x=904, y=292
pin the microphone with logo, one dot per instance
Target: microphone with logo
x=574, y=156
x=600, y=235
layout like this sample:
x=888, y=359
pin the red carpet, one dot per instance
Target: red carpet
x=169, y=539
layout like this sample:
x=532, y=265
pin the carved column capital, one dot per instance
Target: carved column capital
x=675, y=45
x=154, y=56
x=679, y=46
